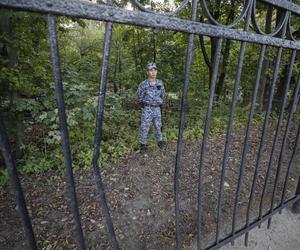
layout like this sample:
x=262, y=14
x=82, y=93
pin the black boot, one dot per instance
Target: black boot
x=143, y=149
x=161, y=144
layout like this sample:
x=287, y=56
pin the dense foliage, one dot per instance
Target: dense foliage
x=27, y=88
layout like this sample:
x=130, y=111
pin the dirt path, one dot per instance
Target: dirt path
x=140, y=196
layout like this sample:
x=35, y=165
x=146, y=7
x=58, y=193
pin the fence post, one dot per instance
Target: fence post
x=296, y=205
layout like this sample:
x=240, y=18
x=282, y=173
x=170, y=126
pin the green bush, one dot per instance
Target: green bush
x=120, y=135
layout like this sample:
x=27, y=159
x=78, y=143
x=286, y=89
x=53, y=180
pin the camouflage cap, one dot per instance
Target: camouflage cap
x=151, y=66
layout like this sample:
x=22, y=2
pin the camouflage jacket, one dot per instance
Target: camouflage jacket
x=151, y=94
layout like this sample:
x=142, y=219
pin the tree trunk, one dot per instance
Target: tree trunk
x=278, y=97
x=19, y=117
x=119, y=67
x=221, y=80
x=226, y=55
x=135, y=51
x=290, y=105
x=10, y=54
x=213, y=40
x=205, y=54
x=226, y=51
x=263, y=91
x=280, y=89
x=154, y=46
x=139, y=54
x=115, y=72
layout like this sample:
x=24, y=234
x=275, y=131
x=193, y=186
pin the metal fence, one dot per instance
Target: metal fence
x=281, y=38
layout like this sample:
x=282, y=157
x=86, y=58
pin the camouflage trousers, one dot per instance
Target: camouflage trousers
x=149, y=115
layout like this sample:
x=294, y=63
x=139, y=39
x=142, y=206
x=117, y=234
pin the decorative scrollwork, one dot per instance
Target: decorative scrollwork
x=234, y=23
x=284, y=18
x=248, y=5
x=290, y=30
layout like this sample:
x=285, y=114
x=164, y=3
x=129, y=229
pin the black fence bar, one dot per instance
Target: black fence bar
x=63, y=128
x=296, y=205
x=262, y=140
x=215, y=68
x=287, y=130
x=98, y=133
x=296, y=147
x=16, y=185
x=281, y=155
x=278, y=128
x=89, y=10
x=189, y=60
x=293, y=109
x=230, y=126
x=267, y=115
x=257, y=82
x=256, y=223
x=248, y=130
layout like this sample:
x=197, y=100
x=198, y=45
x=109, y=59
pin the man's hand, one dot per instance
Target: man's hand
x=139, y=104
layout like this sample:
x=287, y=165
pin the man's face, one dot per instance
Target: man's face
x=152, y=73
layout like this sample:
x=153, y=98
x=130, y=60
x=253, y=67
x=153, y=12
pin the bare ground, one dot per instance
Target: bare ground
x=141, y=198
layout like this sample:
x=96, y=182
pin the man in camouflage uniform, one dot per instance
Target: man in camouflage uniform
x=151, y=94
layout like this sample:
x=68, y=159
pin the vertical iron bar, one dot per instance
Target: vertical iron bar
x=230, y=125
x=189, y=60
x=297, y=141
x=98, y=132
x=215, y=68
x=63, y=128
x=296, y=205
x=15, y=182
x=266, y=121
x=290, y=116
x=277, y=133
x=262, y=140
x=257, y=81
x=98, y=135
